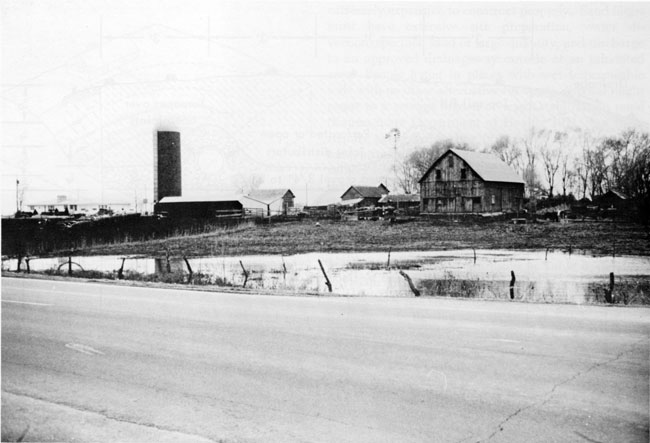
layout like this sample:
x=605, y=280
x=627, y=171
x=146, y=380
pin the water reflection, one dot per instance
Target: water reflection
x=540, y=276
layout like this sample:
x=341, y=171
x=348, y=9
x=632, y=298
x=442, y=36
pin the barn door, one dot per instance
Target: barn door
x=467, y=204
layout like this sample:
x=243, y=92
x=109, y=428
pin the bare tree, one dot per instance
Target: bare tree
x=419, y=161
x=551, y=158
x=508, y=151
x=534, y=143
x=581, y=163
x=245, y=184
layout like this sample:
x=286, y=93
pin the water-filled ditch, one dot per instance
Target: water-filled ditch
x=552, y=276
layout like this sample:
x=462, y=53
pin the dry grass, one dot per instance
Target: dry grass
x=307, y=236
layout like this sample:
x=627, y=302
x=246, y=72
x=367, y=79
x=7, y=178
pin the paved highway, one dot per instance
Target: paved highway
x=89, y=361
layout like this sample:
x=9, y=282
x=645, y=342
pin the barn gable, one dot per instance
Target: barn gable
x=487, y=167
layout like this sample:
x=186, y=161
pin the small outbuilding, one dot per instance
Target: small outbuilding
x=466, y=181
x=364, y=195
x=612, y=199
x=271, y=201
x=400, y=201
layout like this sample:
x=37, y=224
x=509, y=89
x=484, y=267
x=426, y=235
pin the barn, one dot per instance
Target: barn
x=470, y=182
x=185, y=207
x=363, y=196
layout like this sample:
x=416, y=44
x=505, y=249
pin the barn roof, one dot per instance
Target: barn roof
x=369, y=191
x=615, y=193
x=268, y=196
x=198, y=199
x=400, y=198
x=488, y=166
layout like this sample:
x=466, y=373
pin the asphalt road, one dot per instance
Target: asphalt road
x=88, y=361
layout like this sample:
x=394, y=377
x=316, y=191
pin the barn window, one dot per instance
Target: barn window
x=463, y=174
x=438, y=174
x=451, y=161
x=494, y=200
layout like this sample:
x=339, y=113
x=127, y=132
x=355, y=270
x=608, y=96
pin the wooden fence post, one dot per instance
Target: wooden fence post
x=245, y=273
x=415, y=290
x=120, y=272
x=512, y=285
x=609, y=293
x=189, y=268
x=388, y=262
x=327, y=280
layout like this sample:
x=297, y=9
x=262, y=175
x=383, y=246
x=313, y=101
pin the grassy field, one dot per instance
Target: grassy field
x=308, y=236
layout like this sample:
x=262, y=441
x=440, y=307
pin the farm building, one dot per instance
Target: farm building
x=64, y=205
x=401, y=201
x=465, y=181
x=612, y=199
x=185, y=207
x=270, y=201
x=362, y=196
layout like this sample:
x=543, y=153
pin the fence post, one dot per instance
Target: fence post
x=474, y=255
x=415, y=290
x=189, y=268
x=388, y=262
x=70, y=265
x=245, y=273
x=120, y=272
x=327, y=280
x=27, y=263
x=609, y=293
x=512, y=285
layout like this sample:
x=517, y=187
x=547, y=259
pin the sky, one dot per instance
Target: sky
x=300, y=95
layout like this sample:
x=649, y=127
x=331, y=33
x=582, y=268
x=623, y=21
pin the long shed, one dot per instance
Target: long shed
x=466, y=181
x=187, y=207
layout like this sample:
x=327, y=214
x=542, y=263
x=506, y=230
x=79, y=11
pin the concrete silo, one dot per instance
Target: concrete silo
x=167, y=165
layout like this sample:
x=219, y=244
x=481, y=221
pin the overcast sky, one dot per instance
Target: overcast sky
x=299, y=94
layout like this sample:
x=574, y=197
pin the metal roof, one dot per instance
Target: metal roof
x=488, y=166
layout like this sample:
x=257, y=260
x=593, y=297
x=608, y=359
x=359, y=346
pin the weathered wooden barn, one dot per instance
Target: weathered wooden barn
x=364, y=196
x=187, y=207
x=466, y=181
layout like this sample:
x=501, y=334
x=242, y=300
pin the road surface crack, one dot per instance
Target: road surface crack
x=547, y=397
x=108, y=416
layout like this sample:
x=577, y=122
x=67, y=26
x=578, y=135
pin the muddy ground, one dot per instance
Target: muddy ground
x=335, y=236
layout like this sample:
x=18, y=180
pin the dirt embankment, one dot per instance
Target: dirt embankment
x=309, y=236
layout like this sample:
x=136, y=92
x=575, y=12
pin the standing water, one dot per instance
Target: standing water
x=540, y=276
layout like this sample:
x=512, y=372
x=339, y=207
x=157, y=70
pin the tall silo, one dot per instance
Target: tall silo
x=167, y=165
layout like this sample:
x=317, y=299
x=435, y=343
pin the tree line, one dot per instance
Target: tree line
x=551, y=163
